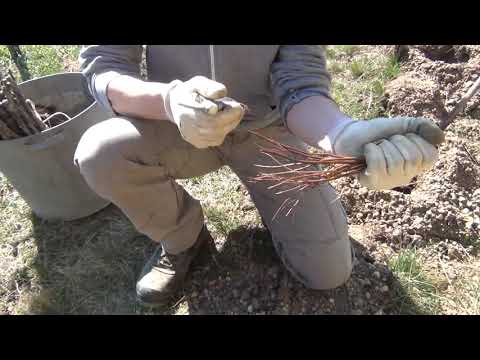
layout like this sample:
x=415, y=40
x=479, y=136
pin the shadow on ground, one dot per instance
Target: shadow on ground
x=250, y=279
x=90, y=266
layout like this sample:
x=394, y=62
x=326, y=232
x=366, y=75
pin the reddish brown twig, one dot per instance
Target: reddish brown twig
x=302, y=170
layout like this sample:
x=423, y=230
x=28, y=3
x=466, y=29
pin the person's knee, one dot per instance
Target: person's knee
x=331, y=257
x=99, y=154
x=332, y=280
x=323, y=268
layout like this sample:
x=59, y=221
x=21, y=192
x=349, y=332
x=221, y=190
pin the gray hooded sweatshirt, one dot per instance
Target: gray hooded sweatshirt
x=270, y=79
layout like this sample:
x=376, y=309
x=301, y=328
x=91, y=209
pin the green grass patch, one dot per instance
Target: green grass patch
x=357, y=68
x=5, y=59
x=391, y=69
x=42, y=60
x=358, y=80
x=335, y=67
x=378, y=87
x=221, y=196
x=473, y=242
x=417, y=292
x=223, y=222
x=473, y=301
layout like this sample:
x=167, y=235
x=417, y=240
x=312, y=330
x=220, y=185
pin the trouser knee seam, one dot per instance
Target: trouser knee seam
x=330, y=217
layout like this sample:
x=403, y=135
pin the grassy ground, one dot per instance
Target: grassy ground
x=90, y=266
x=359, y=78
x=43, y=60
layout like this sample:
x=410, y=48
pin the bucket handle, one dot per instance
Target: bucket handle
x=47, y=120
x=51, y=140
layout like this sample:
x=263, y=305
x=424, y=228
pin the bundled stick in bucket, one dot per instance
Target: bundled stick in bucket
x=300, y=169
x=19, y=116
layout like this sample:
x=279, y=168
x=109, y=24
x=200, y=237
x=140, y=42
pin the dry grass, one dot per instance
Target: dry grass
x=225, y=201
x=460, y=293
x=360, y=73
x=87, y=266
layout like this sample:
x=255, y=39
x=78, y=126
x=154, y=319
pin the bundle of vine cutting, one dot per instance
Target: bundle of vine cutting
x=19, y=117
x=298, y=170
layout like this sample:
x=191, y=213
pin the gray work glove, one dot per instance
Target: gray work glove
x=200, y=120
x=395, y=149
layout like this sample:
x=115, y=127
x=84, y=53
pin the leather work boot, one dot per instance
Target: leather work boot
x=164, y=274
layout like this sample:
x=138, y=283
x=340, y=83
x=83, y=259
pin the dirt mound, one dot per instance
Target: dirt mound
x=414, y=95
x=435, y=77
x=445, y=53
x=442, y=206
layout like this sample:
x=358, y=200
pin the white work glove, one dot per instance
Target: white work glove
x=200, y=120
x=395, y=149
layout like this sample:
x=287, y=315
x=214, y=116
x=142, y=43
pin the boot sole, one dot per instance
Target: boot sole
x=165, y=302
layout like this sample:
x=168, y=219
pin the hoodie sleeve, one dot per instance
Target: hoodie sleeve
x=298, y=72
x=100, y=64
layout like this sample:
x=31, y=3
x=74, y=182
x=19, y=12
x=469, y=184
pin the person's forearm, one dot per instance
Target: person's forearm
x=133, y=97
x=313, y=118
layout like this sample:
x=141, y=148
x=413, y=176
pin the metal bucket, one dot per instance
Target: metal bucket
x=40, y=166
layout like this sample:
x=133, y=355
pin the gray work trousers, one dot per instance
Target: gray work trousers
x=134, y=164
